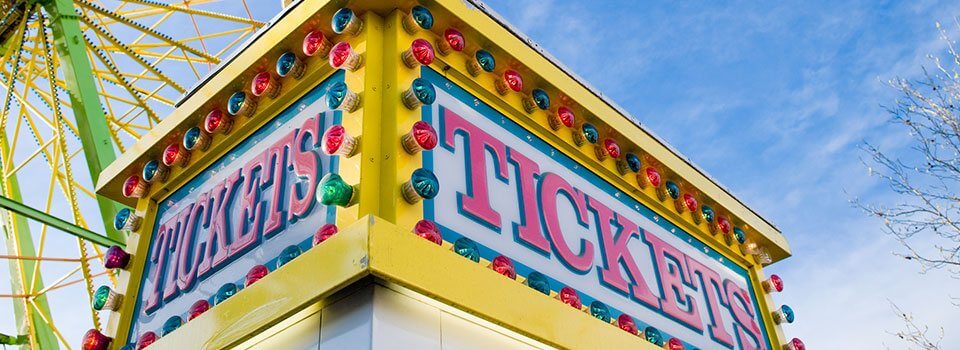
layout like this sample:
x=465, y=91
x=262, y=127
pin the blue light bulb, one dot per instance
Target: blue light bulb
x=788, y=314
x=673, y=189
x=422, y=16
x=538, y=282
x=652, y=334
x=120, y=220
x=236, y=102
x=424, y=91
x=541, y=98
x=191, y=137
x=288, y=254
x=633, y=161
x=171, y=325
x=739, y=234
x=342, y=19
x=590, y=132
x=336, y=94
x=467, y=249
x=486, y=61
x=425, y=183
x=285, y=63
x=225, y=292
x=708, y=213
x=600, y=311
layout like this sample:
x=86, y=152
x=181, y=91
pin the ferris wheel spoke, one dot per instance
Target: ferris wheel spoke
x=146, y=30
x=132, y=54
x=193, y=11
x=15, y=66
x=112, y=68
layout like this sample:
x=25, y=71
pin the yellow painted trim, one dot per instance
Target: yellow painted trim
x=284, y=292
x=767, y=306
x=401, y=257
x=373, y=246
x=138, y=245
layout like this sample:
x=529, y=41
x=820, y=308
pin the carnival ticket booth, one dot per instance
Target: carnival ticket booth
x=419, y=175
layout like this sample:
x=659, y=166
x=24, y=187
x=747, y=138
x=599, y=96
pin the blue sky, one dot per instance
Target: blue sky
x=773, y=100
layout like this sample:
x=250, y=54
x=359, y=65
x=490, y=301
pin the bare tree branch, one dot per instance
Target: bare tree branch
x=925, y=218
x=915, y=334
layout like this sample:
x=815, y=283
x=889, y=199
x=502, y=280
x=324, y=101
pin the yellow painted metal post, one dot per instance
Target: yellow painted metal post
x=401, y=77
x=371, y=97
x=389, y=187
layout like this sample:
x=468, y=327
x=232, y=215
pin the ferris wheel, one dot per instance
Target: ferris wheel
x=80, y=81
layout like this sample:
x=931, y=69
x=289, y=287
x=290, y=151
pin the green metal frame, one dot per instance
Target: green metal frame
x=30, y=212
x=87, y=110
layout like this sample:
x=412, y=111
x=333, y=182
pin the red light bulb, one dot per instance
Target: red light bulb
x=134, y=187
x=422, y=136
x=570, y=297
x=724, y=224
x=316, y=44
x=796, y=344
x=563, y=117
x=504, y=266
x=690, y=202
x=217, y=122
x=773, y=284
x=265, y=84
x=674, y=344
x=146, y=339
x=452, y=41
x=626, y=323
x=325, y=232
x=342, y=56
x=653, y=177
x=511, y=81
x=255, y=274
x=175, y=155
x=429, y=231
x=94, y=340
x=611, y=147
x=198, y=308
x=419, y=53
x=336, y=141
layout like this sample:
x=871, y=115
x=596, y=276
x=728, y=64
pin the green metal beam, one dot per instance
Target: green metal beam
x=13, y=339
x=85, y=101
x=60, y=224
x=22, y=279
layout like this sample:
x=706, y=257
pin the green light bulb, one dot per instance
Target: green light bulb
x=100, y=297
x=334, y=191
